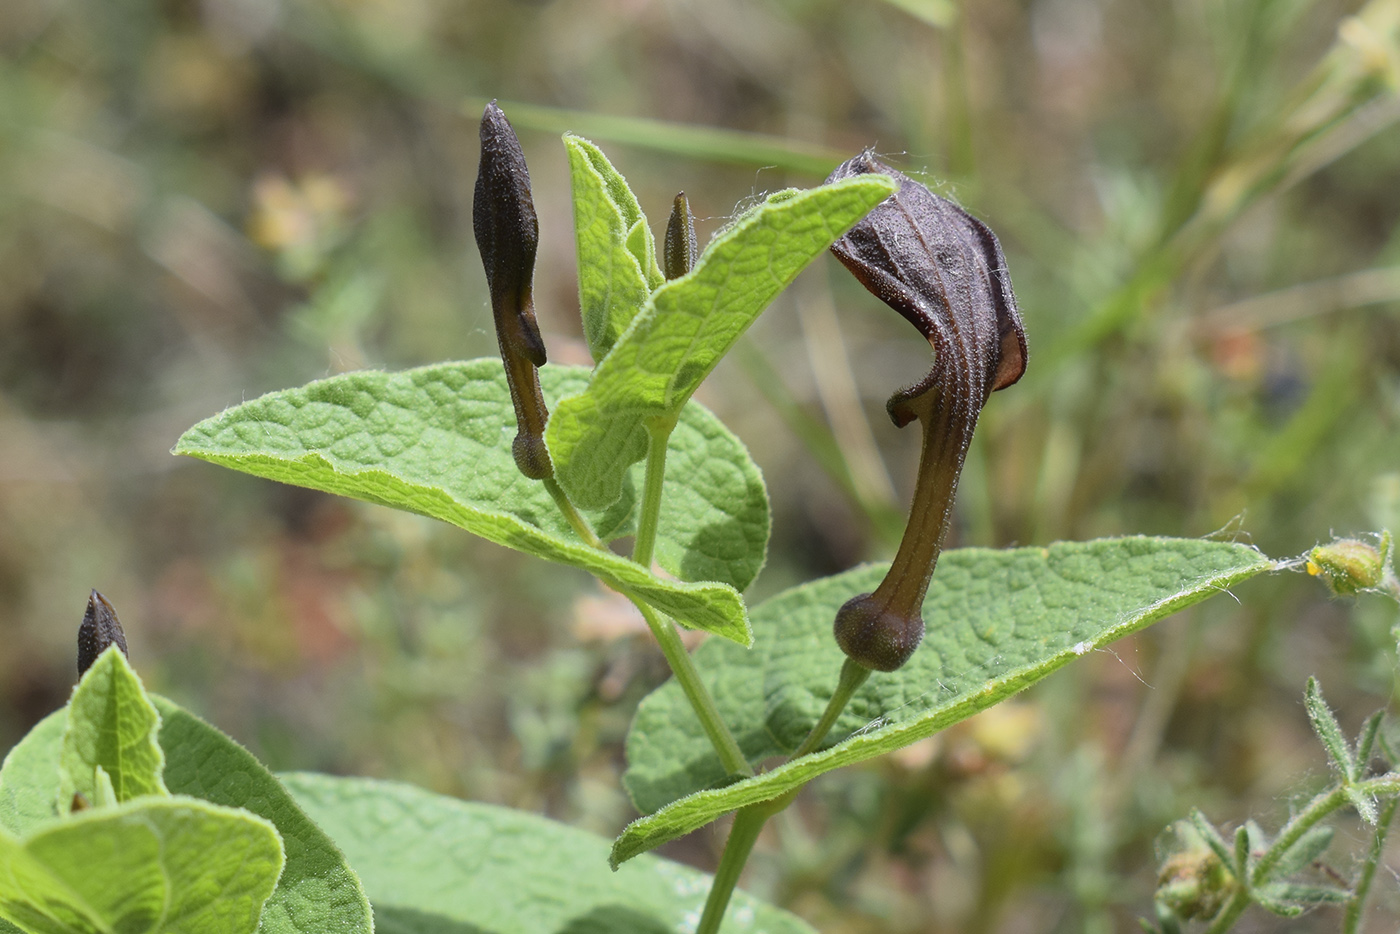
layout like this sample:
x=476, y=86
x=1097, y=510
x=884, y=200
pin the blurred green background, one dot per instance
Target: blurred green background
x=202, y=200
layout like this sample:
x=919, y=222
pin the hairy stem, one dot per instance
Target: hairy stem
x=748, y=823
x=1356, y=907
x=663, y=629
x=689, y=679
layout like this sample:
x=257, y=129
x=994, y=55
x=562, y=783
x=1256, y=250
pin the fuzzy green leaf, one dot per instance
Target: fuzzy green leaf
x=29, y=777
x=1329, y=731
x=1366, y=741
x=1304, y=851
x=1212, y=837
x=152, y=866
x=998, y=621
x=687, y=325
x=616, y=252
x=433, y=864
x=111, y=733
x=318, y=892
x=436, y=441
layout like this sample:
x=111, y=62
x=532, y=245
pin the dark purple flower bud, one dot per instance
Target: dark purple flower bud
x=942, y=269
x=100, y=628
x=507, y=236
x=679, y=252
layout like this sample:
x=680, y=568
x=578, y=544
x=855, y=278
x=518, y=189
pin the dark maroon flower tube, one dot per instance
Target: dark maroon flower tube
x=944, y=271
x=507, y=236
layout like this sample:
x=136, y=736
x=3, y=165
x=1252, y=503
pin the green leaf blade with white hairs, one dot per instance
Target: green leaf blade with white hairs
x=998, y=622
x=616, y=252
x=434, y=864
x=687, y=325
x=172, y=865
x=111, y=733
x=436, y=441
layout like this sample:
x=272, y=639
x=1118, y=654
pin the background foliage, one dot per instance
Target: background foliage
x=202, y=201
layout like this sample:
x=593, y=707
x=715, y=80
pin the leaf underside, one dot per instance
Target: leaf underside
x=437, y=441
x=998, y=621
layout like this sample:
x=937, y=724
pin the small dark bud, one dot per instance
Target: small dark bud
x=100, y=628
x=679, y=252
x=944, y=271
x=507, y=236
x=79, y=803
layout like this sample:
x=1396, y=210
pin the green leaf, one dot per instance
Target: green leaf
x=616, y=252
x=687, y=325
x=29, y=776
x=318, y=892
x=1325, y=725
x=1212, y=838
x=111, y=734
x=1290, y=899
x=1304, y=851
x=176, y=865
x=1366, y=741
x=998, y=621
x=436, y=441
x=715, y=517
x=437, y=865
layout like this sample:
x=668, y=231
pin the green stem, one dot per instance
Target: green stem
x=1356, y=907
x=700, y=700
x=666, y=636
x=575, y=518
x=663, y=629
x=1318, y=808
x=649, y=519
x=748, y=823
x=1230, y=913
x=853, y=675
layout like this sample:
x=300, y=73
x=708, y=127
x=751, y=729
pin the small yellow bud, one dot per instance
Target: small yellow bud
x=1349, y=565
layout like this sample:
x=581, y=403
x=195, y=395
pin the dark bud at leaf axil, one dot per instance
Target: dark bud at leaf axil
x=944, y=271
x=100, y=629
x=507, y=236
x=679, y=252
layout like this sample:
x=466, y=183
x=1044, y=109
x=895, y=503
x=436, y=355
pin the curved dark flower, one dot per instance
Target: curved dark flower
x=944, y=271
x=507, y=236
